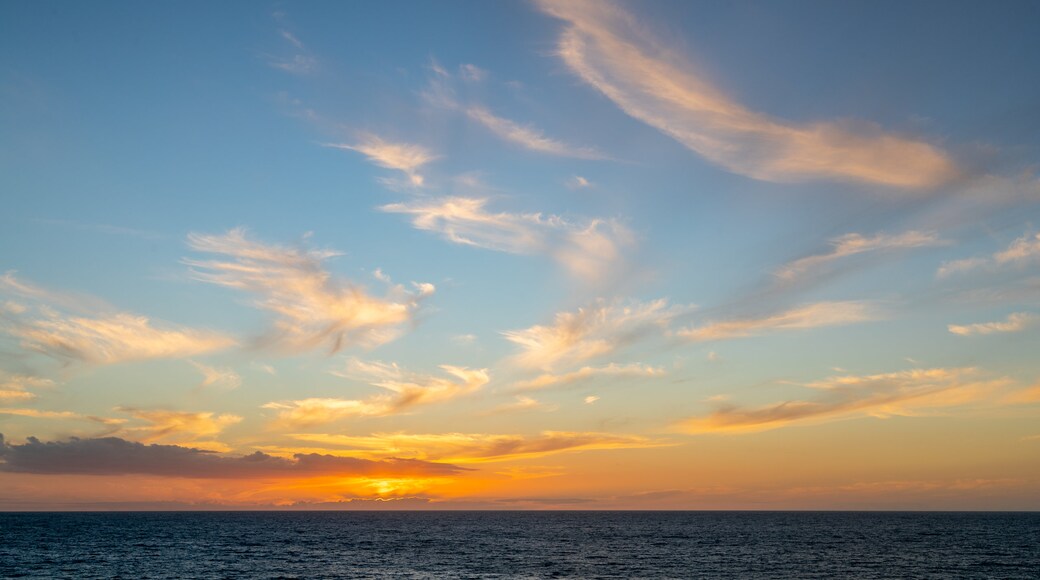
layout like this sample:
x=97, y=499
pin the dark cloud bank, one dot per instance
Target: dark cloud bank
x=115, y=456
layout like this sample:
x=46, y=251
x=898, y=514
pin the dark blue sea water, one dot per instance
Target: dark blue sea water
x=519, y=545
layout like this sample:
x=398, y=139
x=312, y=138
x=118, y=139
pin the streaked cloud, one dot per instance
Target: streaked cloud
x=17, y=387
x=588, y=373
x=1021, y=251
x=523, y=403
x=608, y=49
x=578, y=182
x=183, y=427
x=595, y=331
x=1015, y=322
x=586, y=250
x=406, y=390
x=590, y=399
x=529, y=137
x=224, y=378
x=481, y=447
x=815, y=315
x=298, y=60
x=312, y=308
x=909, y=392
x=405, y=157
x=107, y=337
x=852, y=244
x=443, y=91
x=115, y=456
x=472, y=73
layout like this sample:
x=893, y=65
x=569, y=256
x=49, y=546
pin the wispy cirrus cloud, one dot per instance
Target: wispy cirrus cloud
x=441, y=92
x=1021, y=251
x=587, y=249
x=852, y=244
x=523, y=403
x=115, y=456
x=589, y=373
x=17, y=387
x=182, y=427
x=529, y=137
x=297, y=60
x=406, y=390
x=407, y=158
x=312, y=308
x=595, y=331
x=909, y=392
x=608, y=49
x=815, y=315
x=69, y=330
x=217, y=377
x=480, y=447
x=1015, y=322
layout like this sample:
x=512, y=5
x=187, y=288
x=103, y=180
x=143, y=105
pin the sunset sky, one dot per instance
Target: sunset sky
x=520, y=255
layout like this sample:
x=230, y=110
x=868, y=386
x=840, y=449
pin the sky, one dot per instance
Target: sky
x=519, y=255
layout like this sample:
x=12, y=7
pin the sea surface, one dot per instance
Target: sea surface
x=520, y=545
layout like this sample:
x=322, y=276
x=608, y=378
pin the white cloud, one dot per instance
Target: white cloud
x=218, y=377
x=405, y=157
x=612, y=370
x=96, y=337
x=524, y=403
x=1022, y=250
x=851, y=244
x=809, y=316
x=312, y=308
x=578, y=182
x=843, y=397
x=592, y=332
x=586, y=250
x=406, y=390
x=529, y=137
x=1015, y=322
x=17, y=387
x=472, y=73
x=605, y=46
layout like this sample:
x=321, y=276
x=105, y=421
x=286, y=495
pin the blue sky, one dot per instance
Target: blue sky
x=679, y=229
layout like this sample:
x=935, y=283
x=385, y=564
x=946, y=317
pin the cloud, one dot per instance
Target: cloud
x=844, y=397
x=592, y=332
x=590, y=399
x=406, y=390
x=405, y=157
x=529, y=137
x=183, y=427
x=300, y=62
x=1016, y=322
x=218, y=377
x=1020, y=251
x=587, y=250
x=38, y=414
x=851, y=244
x=16, y=387
x=609, y=50
x=523, y=403
x=96, y=337
x=441, y=91
x=480, y=447
x=578, y=182
x=612, y=370
x=814, y=315
x=312, y=308
x=114, y=456
x=472, y=73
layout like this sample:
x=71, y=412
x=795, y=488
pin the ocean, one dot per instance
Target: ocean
x=746, y=545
